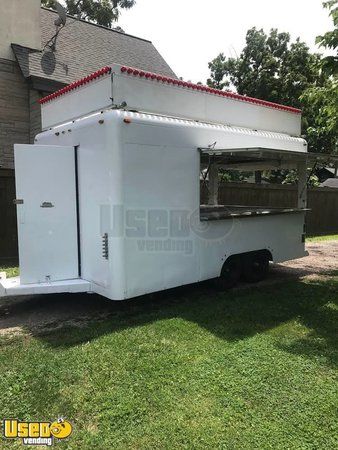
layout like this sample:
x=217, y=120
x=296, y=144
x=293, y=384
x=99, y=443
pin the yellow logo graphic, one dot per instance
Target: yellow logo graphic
x=37, y=433
x=61, y=429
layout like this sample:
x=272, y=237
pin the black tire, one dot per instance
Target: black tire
x=230, y=274
x=255, y=267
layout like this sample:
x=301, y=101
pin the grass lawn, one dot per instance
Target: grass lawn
x=11, y=268
x=328, y=237
x=191, y=369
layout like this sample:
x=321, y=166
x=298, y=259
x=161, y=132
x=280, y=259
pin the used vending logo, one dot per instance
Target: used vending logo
x=37, y=433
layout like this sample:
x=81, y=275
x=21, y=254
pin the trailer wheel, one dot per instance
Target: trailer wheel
x=230, y=273
x=255, y=267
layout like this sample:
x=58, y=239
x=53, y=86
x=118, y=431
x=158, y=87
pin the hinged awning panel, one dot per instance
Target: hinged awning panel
x=265, y=158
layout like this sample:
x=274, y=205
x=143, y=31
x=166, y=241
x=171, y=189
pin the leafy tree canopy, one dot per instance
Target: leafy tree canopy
x=273, y=68
x=320, y=103
x=330, y=39
x=270, y=67
x=102, y=12
x=320, y=116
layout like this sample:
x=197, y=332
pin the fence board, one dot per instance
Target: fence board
x=323, y=202
x=8, y=226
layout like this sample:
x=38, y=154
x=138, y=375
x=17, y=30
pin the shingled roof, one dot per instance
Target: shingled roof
x=82, y=48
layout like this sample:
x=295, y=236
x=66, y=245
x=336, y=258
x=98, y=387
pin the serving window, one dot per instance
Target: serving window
x=249, y=163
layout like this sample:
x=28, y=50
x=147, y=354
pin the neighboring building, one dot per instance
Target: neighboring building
x=323, y=173
x=330, y=183
x=29, y=69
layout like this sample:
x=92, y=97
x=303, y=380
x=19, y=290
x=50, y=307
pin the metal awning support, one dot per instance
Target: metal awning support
x=302, y=184
x=315, y=159
x=213, y=184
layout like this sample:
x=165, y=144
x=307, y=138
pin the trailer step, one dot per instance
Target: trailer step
x=12, y=287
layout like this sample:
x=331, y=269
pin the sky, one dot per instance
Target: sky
x=190, y=33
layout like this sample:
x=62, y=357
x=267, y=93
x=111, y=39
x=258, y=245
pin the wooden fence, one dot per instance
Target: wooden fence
x=8, y=228
x=322, y=219
x=323, y=202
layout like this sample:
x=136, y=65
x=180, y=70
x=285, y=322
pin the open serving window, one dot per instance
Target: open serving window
x=253, y=159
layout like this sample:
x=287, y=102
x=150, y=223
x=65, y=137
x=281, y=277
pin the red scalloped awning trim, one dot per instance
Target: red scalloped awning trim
x=75, y=85
x=197, y=87
x=163, y=79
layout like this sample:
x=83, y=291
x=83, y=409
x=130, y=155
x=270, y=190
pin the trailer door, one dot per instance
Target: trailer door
x=46, y=198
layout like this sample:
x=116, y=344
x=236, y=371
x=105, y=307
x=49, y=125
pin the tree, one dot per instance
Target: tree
x=330, y=39
x=102, y=12
x=320, y=103
x=320, y=109
x=273, y=68
x=269, y=67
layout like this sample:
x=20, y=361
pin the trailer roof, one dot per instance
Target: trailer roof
x=169, y=81
x=199, y=87
x=123, y=87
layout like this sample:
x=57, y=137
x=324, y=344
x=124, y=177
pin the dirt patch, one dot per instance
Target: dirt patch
x=323, y=258
x=43, y=313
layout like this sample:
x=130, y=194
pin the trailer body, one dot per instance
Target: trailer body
x=109, y=200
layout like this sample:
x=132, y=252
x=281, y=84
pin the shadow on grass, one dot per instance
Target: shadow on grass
x=232, y=316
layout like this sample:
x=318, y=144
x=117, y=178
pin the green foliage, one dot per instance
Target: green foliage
x=48, y=3
x=270, y=67
x=292, y=178
x=217, y=68
x=11, y=269
x=320, y=105
x=102, y=12
x=320, y=102
x=286, y=176
x=227, y=176
x=330, y=39
x=273, y=68
x=324, y=238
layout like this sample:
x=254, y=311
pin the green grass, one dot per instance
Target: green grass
x=190, y=369
x=11, y=268
x=328, y=237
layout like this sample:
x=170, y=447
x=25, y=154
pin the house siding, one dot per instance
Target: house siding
x=35, y=114
x=14, y=111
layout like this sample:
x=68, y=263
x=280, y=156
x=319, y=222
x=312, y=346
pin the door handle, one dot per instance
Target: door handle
x=18, y=201
x=47, y=205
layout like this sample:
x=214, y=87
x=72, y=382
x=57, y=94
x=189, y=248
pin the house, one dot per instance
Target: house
x=33, y=64
x=30, y=69
x=325, y=173
x=330, y=183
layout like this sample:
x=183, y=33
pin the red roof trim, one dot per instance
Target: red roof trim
x=163, y=79
x=75, y=85
x=197, y=87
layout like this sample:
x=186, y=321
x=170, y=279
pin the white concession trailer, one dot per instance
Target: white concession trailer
x=108, y=197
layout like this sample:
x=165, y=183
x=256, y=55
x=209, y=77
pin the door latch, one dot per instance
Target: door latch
x=47, y=205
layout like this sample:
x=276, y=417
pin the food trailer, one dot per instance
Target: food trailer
x=108, y=197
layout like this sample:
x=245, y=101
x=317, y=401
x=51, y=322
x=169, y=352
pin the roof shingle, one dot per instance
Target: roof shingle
x=82, y=48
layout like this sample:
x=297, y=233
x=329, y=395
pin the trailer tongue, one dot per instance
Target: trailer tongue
x=108, y=198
